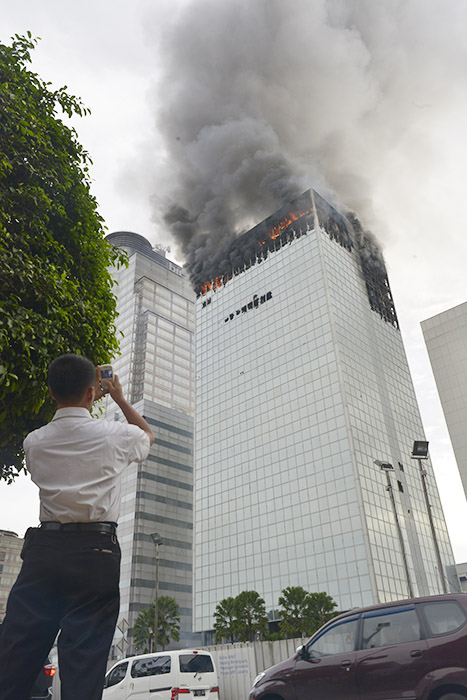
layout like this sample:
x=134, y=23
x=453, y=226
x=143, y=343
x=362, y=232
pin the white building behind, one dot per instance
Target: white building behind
x=10, y=565
x=446, y=340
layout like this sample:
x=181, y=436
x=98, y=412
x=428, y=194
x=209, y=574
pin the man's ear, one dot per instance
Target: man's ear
x=90, y=394
x=50, y=392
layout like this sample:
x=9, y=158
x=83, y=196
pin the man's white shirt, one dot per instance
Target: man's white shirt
x=77, y=461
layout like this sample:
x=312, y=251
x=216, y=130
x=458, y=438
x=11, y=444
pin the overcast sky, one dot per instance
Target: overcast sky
x=379, y=125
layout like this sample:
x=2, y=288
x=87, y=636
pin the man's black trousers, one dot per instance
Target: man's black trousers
x=69, y=583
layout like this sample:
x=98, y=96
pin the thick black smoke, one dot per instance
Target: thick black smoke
x=262, y=99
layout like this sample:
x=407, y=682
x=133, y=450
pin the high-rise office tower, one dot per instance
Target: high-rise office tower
x=446, y=340
x=302, y=384
x=155, y=305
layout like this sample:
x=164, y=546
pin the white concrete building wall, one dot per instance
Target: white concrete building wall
x=10, y=565
x=446, y=340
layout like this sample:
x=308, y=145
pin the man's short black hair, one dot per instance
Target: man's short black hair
x=70, y=376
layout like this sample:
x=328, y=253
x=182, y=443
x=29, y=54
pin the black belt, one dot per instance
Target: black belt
x=104, y=528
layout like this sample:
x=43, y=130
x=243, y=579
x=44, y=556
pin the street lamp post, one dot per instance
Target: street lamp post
x=386, y=467
x=419, y=452
x=157, y=540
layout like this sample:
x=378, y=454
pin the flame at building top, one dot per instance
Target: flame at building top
x=297, y=219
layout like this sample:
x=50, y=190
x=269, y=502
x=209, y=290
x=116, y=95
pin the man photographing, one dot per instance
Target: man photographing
x=69, y=580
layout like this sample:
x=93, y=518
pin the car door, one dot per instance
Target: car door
x=326, y=667
x=445, y=622
x=151, y=676
x=393, y=657
x=161, y=677
x=197, y=674
x=114, y=687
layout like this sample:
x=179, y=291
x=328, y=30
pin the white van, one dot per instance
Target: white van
x=167, y=675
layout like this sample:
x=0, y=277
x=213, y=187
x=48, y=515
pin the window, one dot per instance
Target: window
x=443, y=617
x=390, y=626
x=116, y=675
x=338, y=639
x=196, y=663
x=150, y=666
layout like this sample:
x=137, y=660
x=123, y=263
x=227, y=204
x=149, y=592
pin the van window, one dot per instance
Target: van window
x=150, y=666
x=387, y=627
x=338, y=639
x=196, y=663
x=116, y=675
x=443, y=616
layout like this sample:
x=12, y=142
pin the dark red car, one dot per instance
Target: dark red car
x=412, y=650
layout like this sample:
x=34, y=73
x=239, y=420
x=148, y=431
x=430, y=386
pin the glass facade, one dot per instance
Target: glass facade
x=156, y=367
x=302, y=383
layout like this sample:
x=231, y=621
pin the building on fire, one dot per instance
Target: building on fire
x=302, y=384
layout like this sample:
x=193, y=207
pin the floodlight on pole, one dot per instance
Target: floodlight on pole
x=157, y=541
x=419, y=452
x=387, y=467
x=156, y=538
x=420, y=449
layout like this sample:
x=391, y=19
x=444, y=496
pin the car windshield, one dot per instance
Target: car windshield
x=196, y=663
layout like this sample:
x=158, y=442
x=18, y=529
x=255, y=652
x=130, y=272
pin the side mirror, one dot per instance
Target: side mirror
x=301, y=652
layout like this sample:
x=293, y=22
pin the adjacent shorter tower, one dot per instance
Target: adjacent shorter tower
x=302, y=384
x=155, y=305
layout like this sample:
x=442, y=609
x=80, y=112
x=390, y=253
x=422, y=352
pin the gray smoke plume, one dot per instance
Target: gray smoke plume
x=263, y=99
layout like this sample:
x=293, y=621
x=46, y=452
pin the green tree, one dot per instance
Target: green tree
x=224, y=620
x=250, y=614
x=168, y=620
x=273, y=637
x=303, y=613
x=143, y=631
x=168, y=624
x=55, y=288
x=321, y=609
x=294, y=612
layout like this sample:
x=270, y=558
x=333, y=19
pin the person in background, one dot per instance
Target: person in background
x=69, y=580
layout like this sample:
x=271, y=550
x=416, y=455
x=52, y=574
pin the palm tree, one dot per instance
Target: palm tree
x=224, y=617
x=168, y=620
x=251, y=618
x=303, y=613
x=295, y=612
x=168, y=624
x=322, y=609
x=144, y=629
